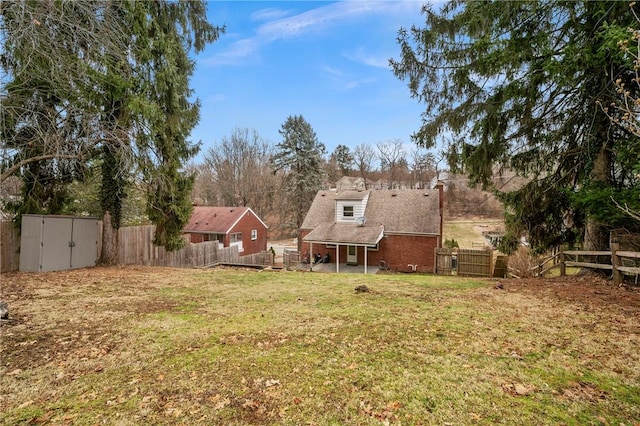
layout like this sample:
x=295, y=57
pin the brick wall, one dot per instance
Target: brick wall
x=397, y=251
x=245, y=225
x=401, y=250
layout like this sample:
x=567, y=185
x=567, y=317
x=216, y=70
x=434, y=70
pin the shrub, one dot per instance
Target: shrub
x=451, y=243
x=522, y=262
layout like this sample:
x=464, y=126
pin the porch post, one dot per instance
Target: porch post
x=337, y=257
x=365, y=258
x=310, y=256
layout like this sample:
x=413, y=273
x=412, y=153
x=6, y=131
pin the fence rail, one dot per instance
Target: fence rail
x=622, y=261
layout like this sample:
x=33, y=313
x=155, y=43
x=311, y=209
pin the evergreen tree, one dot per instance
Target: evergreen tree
x=107, y=81
x=49, y=125
x=163, y=34
x=299, y=157
x=343, y=158
x=520, y=84
x=157, y=110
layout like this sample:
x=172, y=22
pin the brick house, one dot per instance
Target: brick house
x=397, y=229
x=230, y=226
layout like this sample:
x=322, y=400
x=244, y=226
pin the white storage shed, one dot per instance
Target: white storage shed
x=54, y=243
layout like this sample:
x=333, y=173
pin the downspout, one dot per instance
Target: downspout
x=440, y=188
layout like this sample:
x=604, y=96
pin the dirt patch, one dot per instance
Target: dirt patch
x=69, y=323
x=590, y=290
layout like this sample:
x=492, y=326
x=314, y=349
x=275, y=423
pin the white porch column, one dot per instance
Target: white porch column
x=365, y=259
x=337, y=257
x=310, y=257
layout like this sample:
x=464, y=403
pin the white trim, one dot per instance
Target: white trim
x=243, y=215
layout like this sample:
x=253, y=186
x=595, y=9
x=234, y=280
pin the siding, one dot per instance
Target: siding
x=359, y=206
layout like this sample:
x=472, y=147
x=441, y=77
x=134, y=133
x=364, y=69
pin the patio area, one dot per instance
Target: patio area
x=344, y=268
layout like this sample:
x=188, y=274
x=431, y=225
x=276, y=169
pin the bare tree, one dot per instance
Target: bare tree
x=240, y=171
x=364, y=158
x=423, y=167
x=393, y=158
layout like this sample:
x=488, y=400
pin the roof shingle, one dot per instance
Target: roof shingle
x=218, y=220
x=396, y=211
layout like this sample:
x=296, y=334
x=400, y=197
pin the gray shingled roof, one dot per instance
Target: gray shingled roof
x=414, y=211
x=322, y=210
x=350, y=233
x=351, y=195
x=397, y=211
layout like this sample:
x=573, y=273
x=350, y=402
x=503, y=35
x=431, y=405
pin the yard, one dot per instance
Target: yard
x=137, y=345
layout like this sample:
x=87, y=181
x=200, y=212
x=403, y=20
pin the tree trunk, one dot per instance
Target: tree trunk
x=110, y=243
x=596, y=236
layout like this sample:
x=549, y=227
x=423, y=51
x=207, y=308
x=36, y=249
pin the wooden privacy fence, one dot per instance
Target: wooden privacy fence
x=465, y=262
x=9, y=247
x=137, y=248
x=290, y=257
x=445, y=262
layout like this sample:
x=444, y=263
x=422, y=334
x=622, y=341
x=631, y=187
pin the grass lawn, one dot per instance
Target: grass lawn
x=468, y=233
x=137, y=345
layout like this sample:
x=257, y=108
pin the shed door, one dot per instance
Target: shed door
x=84, y=247
x=56, y=237
x=30, y=243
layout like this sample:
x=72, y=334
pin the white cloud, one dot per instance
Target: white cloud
x=332, y=70
x=343, y=81
x=369, y=59
x=314, y=21
x=269, y=14
x=236, y=54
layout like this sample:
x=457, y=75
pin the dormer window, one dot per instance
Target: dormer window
x=347, y=211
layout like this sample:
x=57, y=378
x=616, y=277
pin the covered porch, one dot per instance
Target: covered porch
x=354, y=239
x=344, y=268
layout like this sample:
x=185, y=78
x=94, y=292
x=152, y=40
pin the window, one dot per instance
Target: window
x=235, y=238
x=254, y=234
x=347, y=211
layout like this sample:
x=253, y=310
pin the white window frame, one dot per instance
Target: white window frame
x=350, y=216
x=254, y=234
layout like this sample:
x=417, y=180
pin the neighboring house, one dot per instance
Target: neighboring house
x=399, y=229
x=230, y=226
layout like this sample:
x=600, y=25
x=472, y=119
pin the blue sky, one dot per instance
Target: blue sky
x=327, y=61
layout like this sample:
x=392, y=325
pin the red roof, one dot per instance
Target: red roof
x=218, y=220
